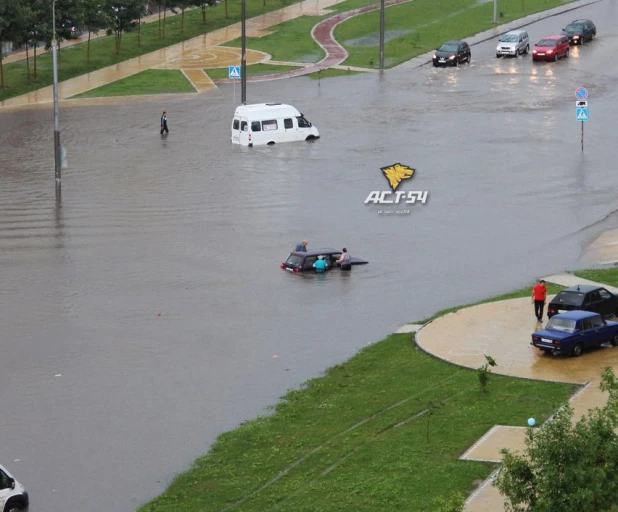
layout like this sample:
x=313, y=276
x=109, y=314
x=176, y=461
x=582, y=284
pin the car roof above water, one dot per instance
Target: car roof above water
x=317, y=252
x=515, y=32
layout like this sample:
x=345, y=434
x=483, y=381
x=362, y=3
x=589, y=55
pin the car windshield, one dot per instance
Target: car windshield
x=569, y=298
x=448, y=48
x=561, y=324
x=294, y=259
x=574, y=29
x=548, y=42
x=510, y=38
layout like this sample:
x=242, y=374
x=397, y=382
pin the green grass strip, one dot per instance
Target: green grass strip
x=151, y=81
x=607, y=276
x=252, y=70
x=382, y=431
x=72, y=60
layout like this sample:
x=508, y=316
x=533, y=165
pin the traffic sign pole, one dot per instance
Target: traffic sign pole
x=581, y=109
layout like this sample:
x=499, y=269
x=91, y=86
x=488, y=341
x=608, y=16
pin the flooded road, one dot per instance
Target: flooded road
x=141, y=314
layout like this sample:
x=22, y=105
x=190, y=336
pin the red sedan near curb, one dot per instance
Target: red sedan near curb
x=551, y=48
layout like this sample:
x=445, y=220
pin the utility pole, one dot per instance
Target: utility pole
x=381, y=35
x=57, y=148
x=495, y=11
x=243, y=61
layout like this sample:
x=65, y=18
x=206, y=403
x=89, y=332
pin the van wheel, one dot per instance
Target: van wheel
x=577, y=350
x=16, y=506
x=271, y=143
x=310, y=137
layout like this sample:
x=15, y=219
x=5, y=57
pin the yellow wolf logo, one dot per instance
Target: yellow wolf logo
x=396, y=173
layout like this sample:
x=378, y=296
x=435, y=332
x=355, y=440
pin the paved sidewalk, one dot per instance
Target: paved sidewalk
x=502, y=330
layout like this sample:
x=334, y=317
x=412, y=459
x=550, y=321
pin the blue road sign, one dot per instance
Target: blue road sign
x=581, y=114
x=581, y=93
x=234, y=72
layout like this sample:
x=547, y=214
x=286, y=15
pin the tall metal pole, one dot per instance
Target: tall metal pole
x=495, y=11
x=57, y=149
x=243, y=62
x=381, y=34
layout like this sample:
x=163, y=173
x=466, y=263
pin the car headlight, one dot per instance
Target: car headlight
x=451, y=57
x=434, y=55
x=549, y=51
x=575, y=37
x=533, y=52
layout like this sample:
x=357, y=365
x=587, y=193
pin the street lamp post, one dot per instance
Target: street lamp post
x=243, y=61
x=57, y=148
x=381, y=34
x=495, y=11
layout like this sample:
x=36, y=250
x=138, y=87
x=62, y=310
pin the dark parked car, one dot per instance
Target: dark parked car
x=303, y=261
x=452, y=53
x=570, y=333
x=580, y=31
x=585, y=297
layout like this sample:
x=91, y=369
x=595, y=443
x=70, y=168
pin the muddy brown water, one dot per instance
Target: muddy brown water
x=103, y=401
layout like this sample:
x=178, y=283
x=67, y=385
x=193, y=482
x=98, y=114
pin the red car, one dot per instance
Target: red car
x=551, y=48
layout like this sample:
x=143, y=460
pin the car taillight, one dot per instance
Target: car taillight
x=249, y=136
x=296, y=270
x=283, y=265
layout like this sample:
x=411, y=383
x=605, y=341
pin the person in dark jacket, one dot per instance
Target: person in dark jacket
x=164, y=123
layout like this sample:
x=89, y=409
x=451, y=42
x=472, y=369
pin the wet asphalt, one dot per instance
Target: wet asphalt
x=140, y=315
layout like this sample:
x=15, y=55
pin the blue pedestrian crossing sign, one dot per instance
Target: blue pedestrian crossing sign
x=581, y=114
x=234, y=72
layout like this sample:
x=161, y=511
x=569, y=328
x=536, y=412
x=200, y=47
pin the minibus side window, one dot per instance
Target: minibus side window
x=269, y=125
x=243, y=126
x=255, y=126
x=287, y=124
x=235, y=126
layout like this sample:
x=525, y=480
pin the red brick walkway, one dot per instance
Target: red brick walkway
x=323, y=34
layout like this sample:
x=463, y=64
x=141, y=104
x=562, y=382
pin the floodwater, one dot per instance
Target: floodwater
x=140, y=315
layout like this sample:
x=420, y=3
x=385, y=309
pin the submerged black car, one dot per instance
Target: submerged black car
x=452, y=53
x=580, y=31
x=303, y=261
x=586, y=298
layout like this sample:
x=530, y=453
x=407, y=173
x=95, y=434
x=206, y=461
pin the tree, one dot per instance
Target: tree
x=4, y=32
x=182, y=5
x=122, y=15
x=484, y=371
x=566, y=467
x=203, y=5
x=96, y=18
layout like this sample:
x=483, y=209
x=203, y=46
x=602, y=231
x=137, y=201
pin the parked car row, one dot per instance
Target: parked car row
x=517, y=42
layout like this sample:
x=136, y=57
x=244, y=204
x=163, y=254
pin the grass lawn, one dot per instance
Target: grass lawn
x=151, y=81
x=413, y=28
x=607, y=276
x=252, y=70
x=72, y=60
x=382, y=431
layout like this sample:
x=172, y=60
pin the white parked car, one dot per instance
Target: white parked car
x=13, y=495
x=270, y=123
x=513, y=43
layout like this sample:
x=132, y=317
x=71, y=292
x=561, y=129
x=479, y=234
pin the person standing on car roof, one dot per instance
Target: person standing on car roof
x=301, y=247
x=539, y=294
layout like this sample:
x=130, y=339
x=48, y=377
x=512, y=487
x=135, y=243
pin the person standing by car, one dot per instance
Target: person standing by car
x=301, y=247
x=539, y=294
x=344, y=260
x=164, y=123
x=320, y=265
